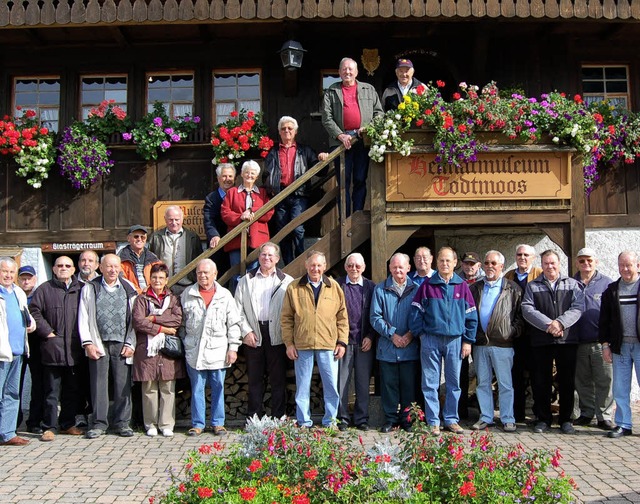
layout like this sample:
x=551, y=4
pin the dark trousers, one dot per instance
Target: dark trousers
x=293, y=244
x=61, y=383
x=356, y=170
x=36, y=404
x=113, y=365
x=520, y=373
x=358, y=364
x=273, y=361
x=542, y=359
x=397, y=387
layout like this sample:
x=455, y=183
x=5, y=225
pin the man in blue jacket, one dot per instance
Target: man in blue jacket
x=445, y=320
x=593, y=375
x=398, y=350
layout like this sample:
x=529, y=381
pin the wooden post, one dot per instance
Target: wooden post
x=577, y=210
x=379, y=251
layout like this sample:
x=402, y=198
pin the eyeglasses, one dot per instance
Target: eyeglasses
x=356, y=266
x=522, y=255
x=582, y=261
x=491, y=263
x=64, y=265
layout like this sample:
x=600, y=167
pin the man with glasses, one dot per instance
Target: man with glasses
x=285, y=163
x=259, y=296
x=136, y=259
x=359, y=356
x=500, y=323
x=422, y=260
x=593, y=374
x=524, y=272
x=552, y=303
x=54, y=307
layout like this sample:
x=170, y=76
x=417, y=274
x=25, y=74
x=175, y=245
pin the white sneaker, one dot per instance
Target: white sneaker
x=167, y=432
x=152, y=431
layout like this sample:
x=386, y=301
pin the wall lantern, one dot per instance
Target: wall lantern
x=291, y=54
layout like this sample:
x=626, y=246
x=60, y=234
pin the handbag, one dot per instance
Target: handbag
x=173, y=347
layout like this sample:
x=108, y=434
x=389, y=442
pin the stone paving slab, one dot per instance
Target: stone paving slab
x=129, y=470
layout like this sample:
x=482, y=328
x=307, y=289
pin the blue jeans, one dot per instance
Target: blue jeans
x=328, y=369
x=293, y=244
x=432, y=350
x=623, y=364
x=9, y=397
x=488, y=359
x=199, y=380
x=356, y=170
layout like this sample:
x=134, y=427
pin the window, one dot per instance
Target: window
x=174, y=90
x=41, y=94
x=235, y=91
x=95, y=89
x=329, y=77
x=606, y=82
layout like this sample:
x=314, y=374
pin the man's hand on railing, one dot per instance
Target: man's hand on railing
x=345, y=138
x=323, y=156
x=214, y=242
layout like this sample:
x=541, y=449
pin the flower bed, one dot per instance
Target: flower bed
x=602, y=135
x=276, y=462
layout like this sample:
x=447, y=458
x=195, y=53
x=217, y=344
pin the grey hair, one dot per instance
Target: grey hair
x=527, y=247
x=497, y=253
x=344, y=60
x=8, y=260
x=224, y=166
x=209, y=262
x=288, y=119
x=174, y=207
x=630, y=253
x=355, y=255
x=250, y=165
x=401, y=255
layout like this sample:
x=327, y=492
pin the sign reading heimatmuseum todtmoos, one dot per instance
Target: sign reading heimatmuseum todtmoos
x=493, y=176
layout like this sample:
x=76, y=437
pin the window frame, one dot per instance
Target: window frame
x=38, y=108
x=81, y=105
x=607, y=95
x=149, y=106
x=236, y=72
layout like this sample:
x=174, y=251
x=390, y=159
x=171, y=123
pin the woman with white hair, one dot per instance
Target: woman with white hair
x=239, y=205
x=286, y=162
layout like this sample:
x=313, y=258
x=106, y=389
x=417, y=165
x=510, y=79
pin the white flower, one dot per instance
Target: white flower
x=574, y=130
x=398, y=117
x=463, y=85
x=231, y=156
x=555, y=139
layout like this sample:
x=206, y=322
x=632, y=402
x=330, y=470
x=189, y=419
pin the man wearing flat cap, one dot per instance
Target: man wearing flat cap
x=594, y=376
x=471, y=272
x=394, y=93
x=136, y=259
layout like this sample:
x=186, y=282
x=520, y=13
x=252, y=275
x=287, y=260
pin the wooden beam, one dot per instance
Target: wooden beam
x=379, y=247
x=118, y=34
x=439, y=219
x=576, y=237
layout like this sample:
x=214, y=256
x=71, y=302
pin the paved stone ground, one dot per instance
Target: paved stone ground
x=119, y=470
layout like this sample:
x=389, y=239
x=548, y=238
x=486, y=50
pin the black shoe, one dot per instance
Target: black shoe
x=35, y=430
x=343, y=426
x=541, y=427
x=605, y=425
x=126, y=432
x=364, y=426
x=582, y=420
x=619, y=432
x=388, y=427
x=567, y=428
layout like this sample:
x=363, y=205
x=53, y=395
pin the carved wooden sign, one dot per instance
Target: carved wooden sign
x=493, y=176
x=193, y=215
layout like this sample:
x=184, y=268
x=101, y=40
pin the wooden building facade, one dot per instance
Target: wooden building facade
x=209, y=56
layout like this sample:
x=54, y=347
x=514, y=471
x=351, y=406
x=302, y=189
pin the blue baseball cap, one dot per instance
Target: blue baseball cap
x=26, y=270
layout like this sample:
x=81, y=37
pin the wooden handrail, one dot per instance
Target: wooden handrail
x=272, y=203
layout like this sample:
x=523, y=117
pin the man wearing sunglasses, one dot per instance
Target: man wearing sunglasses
x=499, y=324
x=593, y=374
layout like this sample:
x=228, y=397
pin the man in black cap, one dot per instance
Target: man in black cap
x=136, y=259
x=394, y=93
x=27, y=280
x=470, y=272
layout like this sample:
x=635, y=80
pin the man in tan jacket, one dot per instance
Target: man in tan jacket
x=315, y=326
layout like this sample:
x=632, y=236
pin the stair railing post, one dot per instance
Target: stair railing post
x=243, y=251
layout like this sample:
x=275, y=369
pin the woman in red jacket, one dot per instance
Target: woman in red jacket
x=240, y=204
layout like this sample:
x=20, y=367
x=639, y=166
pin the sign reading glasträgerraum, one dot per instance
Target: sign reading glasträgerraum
x=493, y=176
x=193, y=216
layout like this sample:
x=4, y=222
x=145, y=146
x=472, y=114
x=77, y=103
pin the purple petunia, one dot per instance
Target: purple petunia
x=165, y=145
x=158, y=122
x=127, y=136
